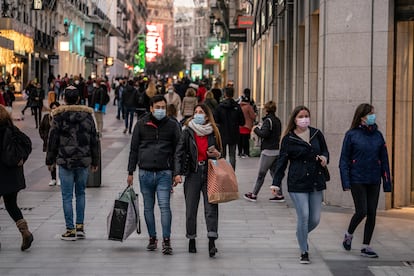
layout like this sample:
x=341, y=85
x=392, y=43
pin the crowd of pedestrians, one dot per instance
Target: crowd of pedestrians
x=175, y=128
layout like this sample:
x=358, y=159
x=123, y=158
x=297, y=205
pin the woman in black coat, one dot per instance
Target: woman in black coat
x=305, y=150
x=12, y=179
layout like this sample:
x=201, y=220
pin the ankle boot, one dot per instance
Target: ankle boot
x=26, y=235
x=212, y=250
x=192, y=246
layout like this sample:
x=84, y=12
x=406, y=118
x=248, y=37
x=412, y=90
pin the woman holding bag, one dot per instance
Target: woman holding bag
x=200, y=140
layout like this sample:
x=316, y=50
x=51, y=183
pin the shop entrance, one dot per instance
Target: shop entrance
x=403, y=121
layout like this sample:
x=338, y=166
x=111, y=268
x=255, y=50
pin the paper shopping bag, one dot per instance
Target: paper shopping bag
x=221, y=182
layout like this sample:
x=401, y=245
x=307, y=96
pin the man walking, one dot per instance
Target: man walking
x=153, y=146
x=73, y=146
x=229, y=116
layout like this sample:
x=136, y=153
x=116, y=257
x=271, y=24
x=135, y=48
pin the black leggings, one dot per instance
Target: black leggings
x=10, y=202
x=366, y=201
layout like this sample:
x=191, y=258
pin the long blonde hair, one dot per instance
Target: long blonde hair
x=151, y=89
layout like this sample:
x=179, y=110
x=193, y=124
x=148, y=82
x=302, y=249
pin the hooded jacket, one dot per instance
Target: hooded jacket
x=229, y=116
x=364, y=158
x=73, y=141
x=305, y=172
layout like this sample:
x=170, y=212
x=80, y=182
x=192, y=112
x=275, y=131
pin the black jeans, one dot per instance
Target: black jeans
x=366, y=201
x=244, y=144
x=37, y=114
x=10, y=202
x=232, y=154
x=194, y=184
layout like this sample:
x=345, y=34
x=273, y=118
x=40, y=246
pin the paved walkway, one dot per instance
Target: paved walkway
x=255, y=238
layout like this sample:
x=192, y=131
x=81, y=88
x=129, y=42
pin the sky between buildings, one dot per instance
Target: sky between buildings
x=183, y=3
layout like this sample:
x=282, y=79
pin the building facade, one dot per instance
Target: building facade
x=332, y=55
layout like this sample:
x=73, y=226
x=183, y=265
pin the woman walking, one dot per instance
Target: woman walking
x=269, y=133
x=12, y=181
x=199, y=141
x=363, y=162
x=304, y=147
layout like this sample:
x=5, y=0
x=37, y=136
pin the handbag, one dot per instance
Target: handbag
x=221, y=182
x=326, y=173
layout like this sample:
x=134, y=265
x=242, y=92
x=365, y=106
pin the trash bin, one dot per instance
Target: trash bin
x=95, y=178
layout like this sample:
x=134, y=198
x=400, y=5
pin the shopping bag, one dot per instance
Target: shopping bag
x=123, y=218
x=117, y=220
x=254, y=145
x=221, y=181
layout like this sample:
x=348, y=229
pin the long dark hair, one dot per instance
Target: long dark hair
x=210, y=118
x=291, y=123
x=361, y=111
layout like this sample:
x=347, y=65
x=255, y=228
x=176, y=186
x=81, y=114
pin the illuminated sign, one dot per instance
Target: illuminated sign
x=154, y=41
x=196, y=71
x=37, y=5
x=245, y=21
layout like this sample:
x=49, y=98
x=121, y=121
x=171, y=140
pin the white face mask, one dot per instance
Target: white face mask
x=303, y=122
x=76, y=82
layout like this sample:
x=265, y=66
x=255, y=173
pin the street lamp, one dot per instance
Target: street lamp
x=219, y=29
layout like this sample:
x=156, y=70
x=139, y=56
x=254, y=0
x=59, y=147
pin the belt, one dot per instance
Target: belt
x=201, y=163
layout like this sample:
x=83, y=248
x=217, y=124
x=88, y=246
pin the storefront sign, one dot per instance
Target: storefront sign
x=6, y=43
x=237, y=35
x=245, y=21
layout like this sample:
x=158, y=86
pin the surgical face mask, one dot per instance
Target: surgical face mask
x=159, y=114
x=370, y=119
x=199, y=119
x=95, y=85
x=303, y=122
x=76, y=82
x=170, y=90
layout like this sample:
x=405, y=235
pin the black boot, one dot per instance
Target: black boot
x=212, y=250
x=192, y=246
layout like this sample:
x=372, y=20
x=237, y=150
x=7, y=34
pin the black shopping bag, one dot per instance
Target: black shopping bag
x=118, y=220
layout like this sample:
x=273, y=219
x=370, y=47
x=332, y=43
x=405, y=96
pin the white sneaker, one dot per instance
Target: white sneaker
x=52, y=182
x=58, y=182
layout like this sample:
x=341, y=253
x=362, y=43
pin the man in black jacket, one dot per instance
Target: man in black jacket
x=229, y=116
x=153, y=144
x=129, y=99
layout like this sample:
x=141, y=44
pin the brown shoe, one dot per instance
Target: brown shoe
x=26, y=235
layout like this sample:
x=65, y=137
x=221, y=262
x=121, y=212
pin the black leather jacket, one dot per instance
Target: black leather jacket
x=185, y=160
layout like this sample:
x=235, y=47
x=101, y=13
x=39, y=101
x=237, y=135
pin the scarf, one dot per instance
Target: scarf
x=201, y=130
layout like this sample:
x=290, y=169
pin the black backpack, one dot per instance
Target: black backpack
x=140, y=99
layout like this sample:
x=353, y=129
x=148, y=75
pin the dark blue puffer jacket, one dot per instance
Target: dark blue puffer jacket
x=364, y=158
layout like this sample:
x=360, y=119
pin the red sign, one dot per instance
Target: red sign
x=154, y=41
x=245, y=21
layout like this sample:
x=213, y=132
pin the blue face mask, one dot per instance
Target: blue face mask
x=199, y=119
x=370, y=119
x=159, y=114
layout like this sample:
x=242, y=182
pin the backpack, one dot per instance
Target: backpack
x=16, y=146
x=106, y=98
x=140, y=99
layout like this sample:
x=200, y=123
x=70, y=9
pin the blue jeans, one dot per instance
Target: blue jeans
x=68, y=180
x=308, y=210
x=129, y=118
x=160, y=183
